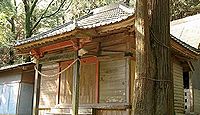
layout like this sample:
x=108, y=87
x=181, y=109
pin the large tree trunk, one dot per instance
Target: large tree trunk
x=153, y=83
x=160, y=35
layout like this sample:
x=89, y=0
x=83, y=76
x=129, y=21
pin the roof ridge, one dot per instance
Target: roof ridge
x=113, y=6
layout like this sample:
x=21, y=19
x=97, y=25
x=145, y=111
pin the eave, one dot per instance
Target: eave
x=183, y=52
x=91, y=33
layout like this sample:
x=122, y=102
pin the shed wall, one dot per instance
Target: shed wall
x=9, y=90
x=9, y=77
x=25, y=99
x=178, y=88
x=195, y=76
x=197, y=101
x=9, y=98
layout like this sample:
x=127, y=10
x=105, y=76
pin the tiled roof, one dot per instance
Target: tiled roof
x=97, y=17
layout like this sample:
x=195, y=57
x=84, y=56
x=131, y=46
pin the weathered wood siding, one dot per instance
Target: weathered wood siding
x=66, y=84
x=178, y=89
x=197, y=101
x=112, y=112
x=48, y=87
x=112, y=81
x=28, y=77
x=10, y=77
x=87, y=83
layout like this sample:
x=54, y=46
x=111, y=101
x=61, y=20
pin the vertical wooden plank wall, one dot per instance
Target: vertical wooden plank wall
x=112, y=81
x=48, y=88
x=178, y=89
x=66, y=84
x=87, y=83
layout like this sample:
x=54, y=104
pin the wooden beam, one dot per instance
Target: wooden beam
x=115, y=26
x=89, y=60
x=128, y=79
x=56, y=46
x=183, y=51
x=36, y=94
x=76, y=80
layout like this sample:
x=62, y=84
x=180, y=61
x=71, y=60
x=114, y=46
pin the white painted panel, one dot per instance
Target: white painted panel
x=8, y=98
x=25, y=99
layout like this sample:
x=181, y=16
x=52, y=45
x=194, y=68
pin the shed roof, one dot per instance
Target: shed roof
x=185, y=45
x=11, y=67
x=187, y=30
x=97, y=17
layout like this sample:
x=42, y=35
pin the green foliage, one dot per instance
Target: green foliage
x=184, y=8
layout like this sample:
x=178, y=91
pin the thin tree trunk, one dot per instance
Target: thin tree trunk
x=11, y=51
x=153, y=90
x=28, y=25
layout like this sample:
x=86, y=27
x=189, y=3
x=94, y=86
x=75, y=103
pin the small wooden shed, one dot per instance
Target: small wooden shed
x=104, y=44
x=16, y=89
x=187, y=29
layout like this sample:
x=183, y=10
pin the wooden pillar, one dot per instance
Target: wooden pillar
x=76, y=79
x=58, y=83
x=36, y=94
x=97, y=80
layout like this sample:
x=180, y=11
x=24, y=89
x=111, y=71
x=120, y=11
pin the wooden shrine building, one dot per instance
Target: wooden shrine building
x=102, y=44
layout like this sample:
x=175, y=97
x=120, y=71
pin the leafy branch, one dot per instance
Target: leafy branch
x=54, y=13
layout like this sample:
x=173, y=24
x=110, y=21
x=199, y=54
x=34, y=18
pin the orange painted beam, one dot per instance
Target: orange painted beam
x=89, y=60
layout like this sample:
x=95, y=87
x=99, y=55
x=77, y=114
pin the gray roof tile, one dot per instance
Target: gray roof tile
x=97, y=17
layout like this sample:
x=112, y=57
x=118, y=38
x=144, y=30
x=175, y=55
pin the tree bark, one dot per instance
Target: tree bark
x=153, y=90
x=143, y=87
x=160, y=37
